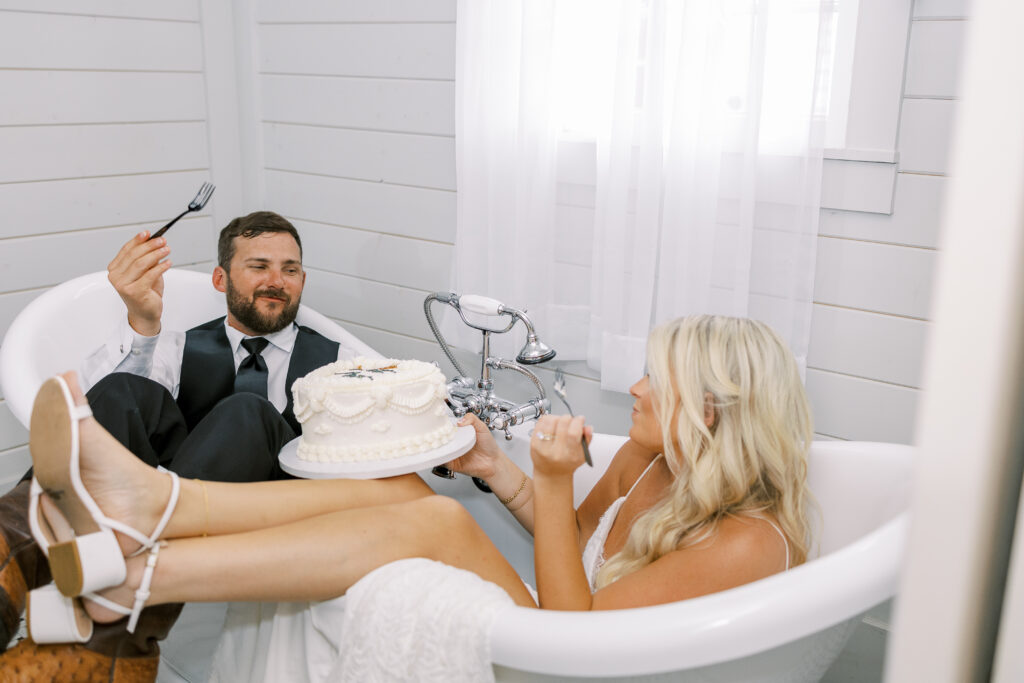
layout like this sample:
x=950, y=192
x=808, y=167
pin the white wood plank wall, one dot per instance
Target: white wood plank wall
x=874, y=272
x=103, y=133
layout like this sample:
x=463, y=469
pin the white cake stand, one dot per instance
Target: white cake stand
x=464, y=439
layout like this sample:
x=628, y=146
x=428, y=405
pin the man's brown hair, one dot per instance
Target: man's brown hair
x=256, y=223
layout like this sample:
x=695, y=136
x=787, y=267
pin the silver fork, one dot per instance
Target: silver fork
x=197, y=204
x=559, y=388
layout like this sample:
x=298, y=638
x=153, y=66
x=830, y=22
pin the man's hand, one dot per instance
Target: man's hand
x=137, y=275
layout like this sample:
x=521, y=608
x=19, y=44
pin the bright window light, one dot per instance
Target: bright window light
x=586, y=43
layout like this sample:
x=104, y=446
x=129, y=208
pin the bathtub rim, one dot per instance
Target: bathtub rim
x=723, y=626
x=707, y=630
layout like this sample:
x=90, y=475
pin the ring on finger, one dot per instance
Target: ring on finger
x=544, y=437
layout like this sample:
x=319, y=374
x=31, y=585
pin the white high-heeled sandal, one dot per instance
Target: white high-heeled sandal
x=79, y=563
x=141, y=594
x=55, y=618
x=51, y=617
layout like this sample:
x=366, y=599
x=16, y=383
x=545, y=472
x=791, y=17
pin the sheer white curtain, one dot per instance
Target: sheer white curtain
x=624, y=162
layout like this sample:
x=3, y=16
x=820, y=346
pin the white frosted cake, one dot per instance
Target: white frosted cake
x=368, y=409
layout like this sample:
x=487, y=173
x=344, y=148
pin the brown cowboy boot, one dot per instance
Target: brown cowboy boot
x=28, y=662
x=112, y=655
x=22, y=564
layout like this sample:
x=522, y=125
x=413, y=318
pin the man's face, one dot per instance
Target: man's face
x=263, y=284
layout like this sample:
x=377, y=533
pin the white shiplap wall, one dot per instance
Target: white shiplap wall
x=874, y=274
x=105, y=130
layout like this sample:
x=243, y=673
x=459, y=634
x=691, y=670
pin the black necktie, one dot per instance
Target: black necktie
x=252, y=372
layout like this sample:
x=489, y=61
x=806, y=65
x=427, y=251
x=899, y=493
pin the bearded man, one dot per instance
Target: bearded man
x=209, y=403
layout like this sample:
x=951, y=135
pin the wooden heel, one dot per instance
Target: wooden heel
x=66, y=568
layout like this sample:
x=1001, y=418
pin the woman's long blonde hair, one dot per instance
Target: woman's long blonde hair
x=753, y=458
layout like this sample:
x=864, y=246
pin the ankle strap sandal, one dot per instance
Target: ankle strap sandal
x=55, y=618
x=80, y=562
x=141, y=595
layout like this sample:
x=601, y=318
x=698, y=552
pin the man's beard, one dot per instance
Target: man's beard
x=245, y=311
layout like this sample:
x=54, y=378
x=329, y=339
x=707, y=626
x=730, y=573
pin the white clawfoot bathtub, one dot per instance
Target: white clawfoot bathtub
x=789, y=627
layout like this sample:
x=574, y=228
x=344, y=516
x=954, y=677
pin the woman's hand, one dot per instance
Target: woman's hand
x=482, y=460
x=556, y=447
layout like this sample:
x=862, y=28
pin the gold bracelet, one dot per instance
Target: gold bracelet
x=206, y=507
x=522, y=485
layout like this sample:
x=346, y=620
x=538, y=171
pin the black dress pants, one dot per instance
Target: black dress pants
x=236, y=441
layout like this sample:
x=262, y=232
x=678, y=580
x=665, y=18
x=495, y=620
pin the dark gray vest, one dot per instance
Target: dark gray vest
x=208, y=368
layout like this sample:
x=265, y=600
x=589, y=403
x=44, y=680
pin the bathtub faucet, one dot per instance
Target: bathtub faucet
x=469, y=395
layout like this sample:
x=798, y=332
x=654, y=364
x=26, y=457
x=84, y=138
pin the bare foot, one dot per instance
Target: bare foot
x=124, y=488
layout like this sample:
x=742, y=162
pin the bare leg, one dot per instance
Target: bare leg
x=130, y=491
x=318, y=558
x=294, y=540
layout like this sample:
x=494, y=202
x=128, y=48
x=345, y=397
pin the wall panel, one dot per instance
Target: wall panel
x=391, y=209
x=914, y=221
x=372, y=104
x=174, y=10
x=60, y=152
x=372, y=304
x=55, y=97
x=54, y=41
x=406, y=51
x=853, y=408
x=421, y=160
x=375, y=256
x=933, y=64
x=869, y=345
x=925, y=129
x=874, y=277
x=857, y=185
x=307, y=11
x=941, y=9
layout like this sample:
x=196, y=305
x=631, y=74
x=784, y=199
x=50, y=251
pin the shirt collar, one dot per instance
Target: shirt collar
x=282, y=339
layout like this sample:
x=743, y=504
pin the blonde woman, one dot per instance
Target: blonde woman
x=707, y=494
